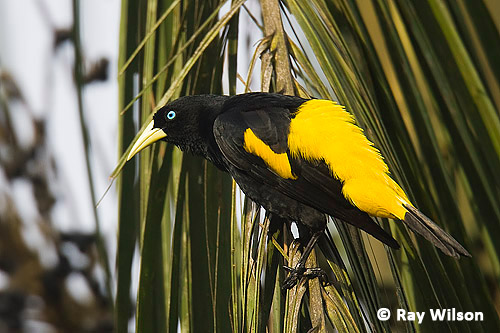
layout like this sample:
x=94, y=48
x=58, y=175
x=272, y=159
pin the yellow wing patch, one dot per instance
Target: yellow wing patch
x=279, y=163
x=323, y=130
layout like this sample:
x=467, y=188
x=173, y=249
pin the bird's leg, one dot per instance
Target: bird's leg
x=300, y=270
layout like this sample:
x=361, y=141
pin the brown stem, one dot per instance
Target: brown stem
x=273, y=26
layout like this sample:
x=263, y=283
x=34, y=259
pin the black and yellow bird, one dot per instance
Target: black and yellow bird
x=300, y=159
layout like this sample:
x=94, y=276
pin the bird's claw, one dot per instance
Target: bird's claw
x=295, y=274
x=293, y=277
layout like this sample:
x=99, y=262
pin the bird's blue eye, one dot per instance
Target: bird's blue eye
x=170, y=115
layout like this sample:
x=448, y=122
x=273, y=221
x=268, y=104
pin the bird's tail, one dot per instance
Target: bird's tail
x=424, y=226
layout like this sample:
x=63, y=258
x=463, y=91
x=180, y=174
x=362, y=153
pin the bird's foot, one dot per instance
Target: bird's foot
x=295, y=274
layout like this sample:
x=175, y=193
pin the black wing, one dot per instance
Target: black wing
x=314, y=186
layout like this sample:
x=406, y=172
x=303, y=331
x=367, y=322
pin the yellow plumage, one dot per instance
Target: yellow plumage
x=279, y=163
x=323, y=130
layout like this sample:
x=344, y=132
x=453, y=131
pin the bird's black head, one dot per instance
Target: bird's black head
x=186, y=122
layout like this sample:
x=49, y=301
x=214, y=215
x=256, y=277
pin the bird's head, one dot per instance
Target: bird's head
x=186, y=122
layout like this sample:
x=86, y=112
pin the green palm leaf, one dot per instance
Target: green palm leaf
x=422, y=80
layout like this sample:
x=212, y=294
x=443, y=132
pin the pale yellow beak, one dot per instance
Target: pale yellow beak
x=148, y=136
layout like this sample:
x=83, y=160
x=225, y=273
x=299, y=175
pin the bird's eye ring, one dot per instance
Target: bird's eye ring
x=170, y=115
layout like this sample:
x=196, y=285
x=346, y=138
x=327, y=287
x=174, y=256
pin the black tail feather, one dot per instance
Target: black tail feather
x=424, y=226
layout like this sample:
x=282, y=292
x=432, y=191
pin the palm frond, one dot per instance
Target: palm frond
x=421, y=79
